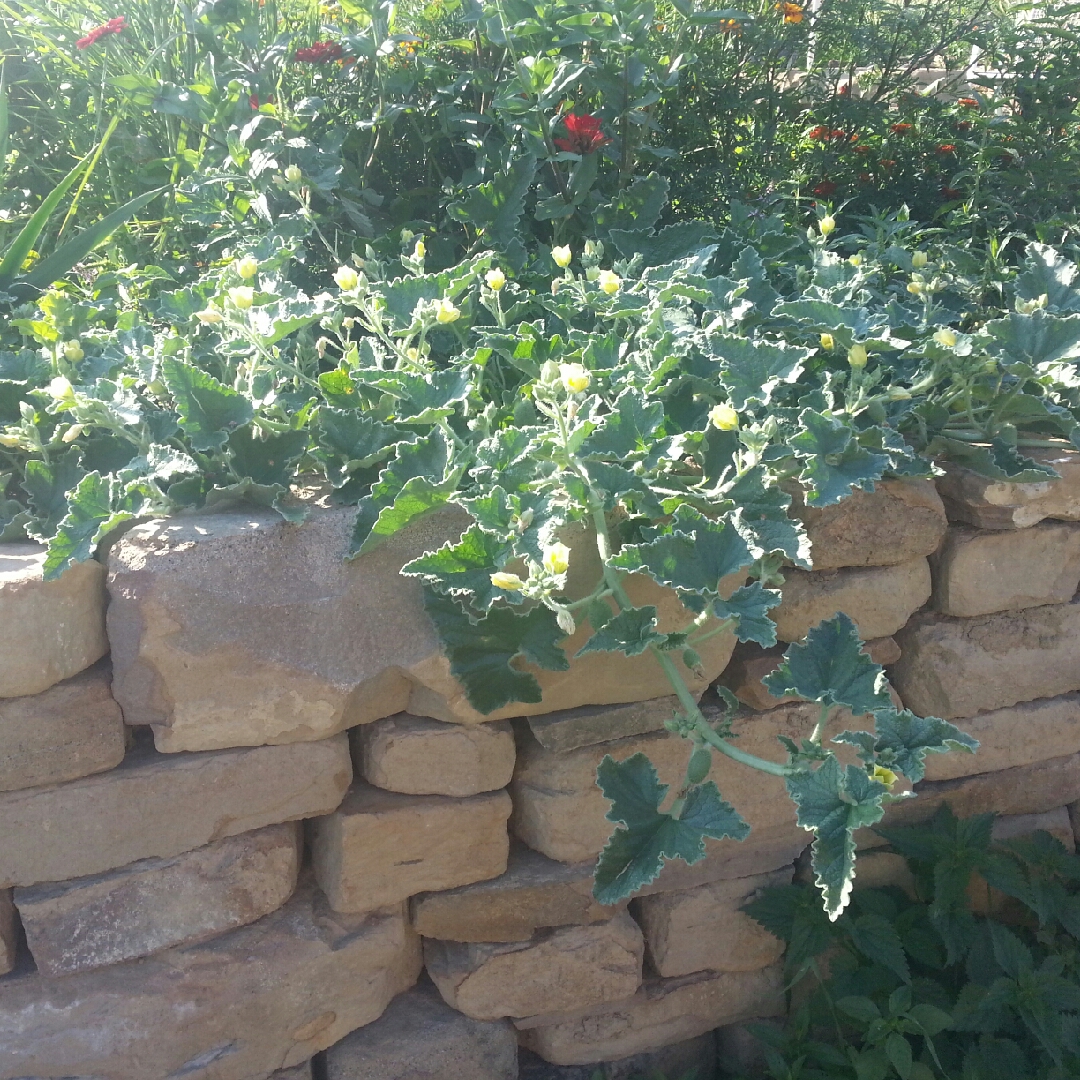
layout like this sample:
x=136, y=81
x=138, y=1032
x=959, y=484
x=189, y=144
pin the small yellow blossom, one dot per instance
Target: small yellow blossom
x=556, y=558
x=919, y=259
x=509, y=582
x=855, y=260
x=243, y=296
x=73, y=351
x=575, y=378
x=884, y=776
x=856, y=356
x=793, y=13
x=61, y=389
x=72, y=433
x=828, y=342
x=826, y=224
x=413, y=354
x=562, y=255
x=724, y=417
x=945, y=337
x=916, y=286
x=495, y=279
x=293, y=174
x=446, y=312
x=347, y=278
x=609, y=281
x=420, y=251
x=209, y=316
x=247, y=267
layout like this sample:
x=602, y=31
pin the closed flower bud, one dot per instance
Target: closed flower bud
x=247, y=267
x=828, y=342
x=413, y=354
x=61, y=389
x=555, y=283
x=898, y=393
x=919, y=259
x=347, y=278
x=72, y=433
x=565, y=621
x=321, y=346
x=856, y=356
x=724, y=417
x=243, y=296
x=827, y=224
x=945, y=337
x=556, y=558
x=575, y=378
x=446, y=312
x=293, y=174
x=73, y=351
x=609, y=281
x=495, y=279
x=509, y=582
x=916, y=286
x=420, y=251
x=209, y=316
x=562, y=255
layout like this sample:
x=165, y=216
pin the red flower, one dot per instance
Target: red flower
x=887, y=163
x=820, y=132
x=825, y=188
x=951, y=193
x=322, y=52
x=946, y=148
x=900, y=129
x=113, y=26
x=968, y=102
x=845, y=90
x=254, y=103
x=863, y=149
x=585, y=136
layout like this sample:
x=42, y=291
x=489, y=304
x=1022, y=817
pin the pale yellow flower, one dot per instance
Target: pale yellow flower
x=575, y=378
x=916, y=286
x=556, y=558
x=347, y=278
x=509, y=582
x=209, y=316
x=827, y=224
x=243, y=296
x=61, y=389
x=562, y=255
x=856, y=356
x=495, y=279
x=828, y=342
x=420, y=251
x=945, y=337
x=724, y=417
x=884, y=776
x=855, y=260
x=293, y=174
x=73, y=351
x=446, y=312
x=609, y=281
x=72, y=433
x=247, y=267
x=919, y=259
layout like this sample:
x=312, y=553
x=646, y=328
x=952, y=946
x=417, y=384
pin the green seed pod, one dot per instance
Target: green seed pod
x=700, y=764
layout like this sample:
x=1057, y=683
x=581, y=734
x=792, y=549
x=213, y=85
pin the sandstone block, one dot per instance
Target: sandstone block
x=567, y=969
x=591, y=724
x=264, y=997
x=156, y=805
x=879, y=869
x=418, y=756
x=155, y=904
x=704, y=928
x=959, y=667
x=993, y=504
x=9, y=932
x=420, y=1037
x=239, y=629
x=899, y=520
x=1055, y=822
x=878, y=599
x=1019, y=735
x=662, y=1012
x=535, y=892
x=380, y=847
x=691, y=1058
x=49, y=630
x=72, y=729
x=977, y=572
x=297, y=1072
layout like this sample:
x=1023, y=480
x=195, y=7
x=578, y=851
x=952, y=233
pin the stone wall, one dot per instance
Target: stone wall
x=250, y=827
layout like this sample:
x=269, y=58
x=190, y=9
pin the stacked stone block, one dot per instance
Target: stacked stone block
x=236, y=843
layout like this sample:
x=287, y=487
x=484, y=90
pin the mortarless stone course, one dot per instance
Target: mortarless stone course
x=72, y=729
x=592, y=724
x=380, y=847
x=535, y=892
x=418, y=756
x=159, y=805
x=264, y=997
x=704, y=928
x=977, y=572
x=696, y=1057
x=959, y=667
x=297, y=1072
x=156, y=904
x=49, y=630
x=565, y=969
x=420, y=1037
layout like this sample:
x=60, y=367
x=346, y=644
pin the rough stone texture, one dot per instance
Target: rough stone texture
x=750, y=664
x=420, y=1037
x=592, y=724
x=1056, y=822
x=899, y=520
x=696, y=1057
x=158, y=903
x=72, y=729
x=418, y=756
x=879, y=600
x=49, y=630
x=156, y=805
x=1017, y=735
x=662, y=1012
x=991, y=504
x=239, y=629
x=703, y=928
x=535, y=892
x=264, y=997
x=380, y=847
x=9, y=932
x=566, y=969
x=878, y=869
x=960, y=667
x=297, y=1072
x=978, y=572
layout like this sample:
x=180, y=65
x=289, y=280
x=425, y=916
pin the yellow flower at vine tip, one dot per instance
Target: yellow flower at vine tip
x=509, y=582
x=446, y=312
x=209, y=316
x=856, y=356
x=562, y=255
x=828, y=342
x=945, y=337
x=884, y=776
x=293, y=174
x=556, y=558
x=826, y=224
x=495, y=279
x=61, y=389
x=855, y=260
x=243, y=296
x=919, y=259
x=724, y=417
x=420, y=251
x=347, y=278
x=73, y=351
x=575, y=378
x=247, y=267
x=609, y=281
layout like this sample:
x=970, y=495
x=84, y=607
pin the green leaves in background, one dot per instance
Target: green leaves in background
x=833, y=461
x=208, y=410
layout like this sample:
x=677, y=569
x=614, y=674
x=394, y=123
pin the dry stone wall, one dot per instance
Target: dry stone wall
x=248, y=821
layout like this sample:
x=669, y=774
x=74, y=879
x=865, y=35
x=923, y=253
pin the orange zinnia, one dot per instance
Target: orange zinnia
x=793, y=13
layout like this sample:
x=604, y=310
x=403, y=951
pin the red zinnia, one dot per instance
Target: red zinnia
x=322, y=52
x=968, y=102
x=585, y=136
x=946, y=148
x=113, y=26
x=900, y=129
x=863, y=149
x=820, y=132
x=825, y=188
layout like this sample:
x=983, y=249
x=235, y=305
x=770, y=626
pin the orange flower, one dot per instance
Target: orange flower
x=793, y=13
x=968, y=102
x=887, y=163
x=900, y=129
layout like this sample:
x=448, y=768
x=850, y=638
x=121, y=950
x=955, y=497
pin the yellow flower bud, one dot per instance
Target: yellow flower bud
x=420, y=251
x=884, y=776
x=828, y=342
x=724, y=417
x=293, y=174
x=556, y=558
x=509, y=582
x=945, y=337
x=575, y=378
x=243, y=296
x=413, y=354
x=919, y=259
x=446, y=312
x=856, y=356
x=61, y=389
x=916, y=286
x=855, y=260
x=72, y=433
x=247, y=267
x=347, y=278
x=609, y=281
x=495, y=279
x=562, y=255
x=73, y=351
x=209, y=316
x=827, y=224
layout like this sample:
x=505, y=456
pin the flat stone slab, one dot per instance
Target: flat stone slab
x=691, y=1057
x=73, y=729
x=158, y=805
x=49, y=630
x=420, y=1037
x=156, y=904
x=588, y=725
x=265, y=997
x=380, y=847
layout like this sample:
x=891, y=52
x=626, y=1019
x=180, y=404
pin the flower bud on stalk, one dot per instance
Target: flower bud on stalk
x=828, y=342
x=242, y=296
x=609, y=281
x=575, y=378
x=946, y=337
x=557, y=558
x=73, y=351
x=495, y=279
x=209, y=316
x=420, y=251
x=509, y=582
x=347, y=278
x=247, y=267
x=293, y=174
x=919, y=259
x=724, y=417
x=562, y=256
x=565, y=621
x=857, y=357
x=827, y=224
x=446, y=312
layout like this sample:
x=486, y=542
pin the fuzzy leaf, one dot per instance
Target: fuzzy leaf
x=635, y=854
x=1050, y=274
x=47, y=484
x=630, y=632
x=89, y=519
x=1039, y=338
x=997, y=461
x=352, y=440
x=752, y=370
x=833, y=462
x=750, y=605
x=208, y=409
x=267, y=459
x=627, y=430
x=465, y=568
x=494, y=208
